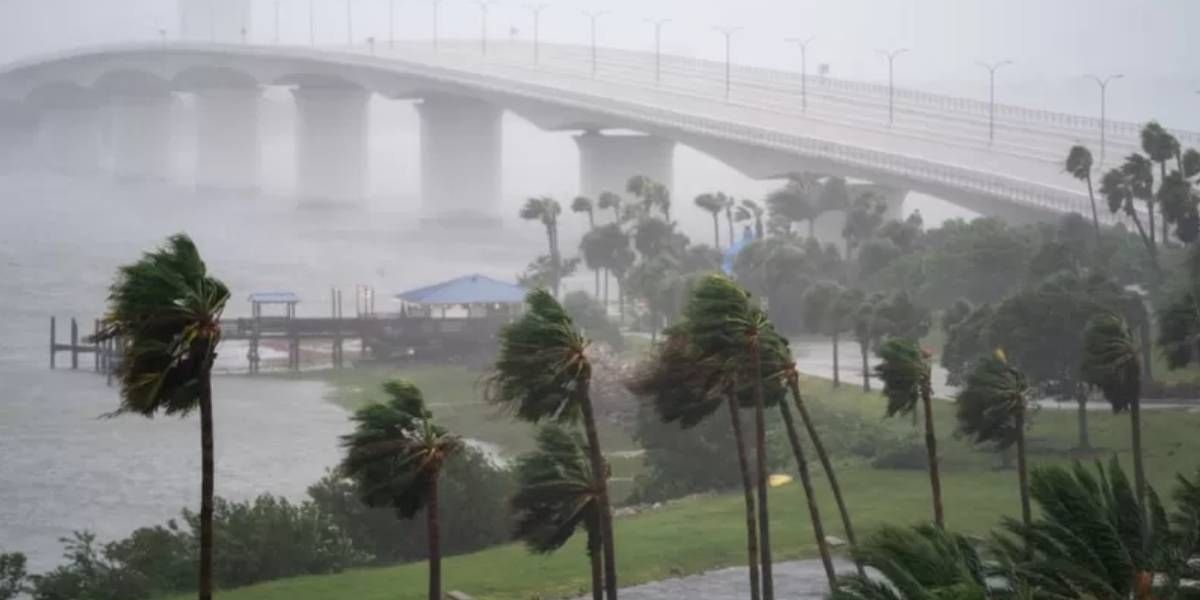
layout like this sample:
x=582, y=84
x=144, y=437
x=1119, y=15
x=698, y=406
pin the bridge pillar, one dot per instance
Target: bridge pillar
x=607, y=162
x=460, y=160
x=18, y=132
x=69, y=139
x=227, y=140
x=140, y=136
x=331, y=145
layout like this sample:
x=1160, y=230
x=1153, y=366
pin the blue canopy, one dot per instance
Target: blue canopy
x=471, y=289
x=274, y=297
x=735, y=249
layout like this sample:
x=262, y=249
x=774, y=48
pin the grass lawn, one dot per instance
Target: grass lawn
x=700, y=533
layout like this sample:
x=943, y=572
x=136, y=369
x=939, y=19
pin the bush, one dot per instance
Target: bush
x=12, y=575
x=590, y=316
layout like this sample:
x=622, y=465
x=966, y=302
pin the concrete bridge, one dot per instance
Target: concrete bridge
x=627, y=111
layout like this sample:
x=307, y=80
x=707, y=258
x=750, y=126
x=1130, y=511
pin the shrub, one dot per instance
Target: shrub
x=12, y=575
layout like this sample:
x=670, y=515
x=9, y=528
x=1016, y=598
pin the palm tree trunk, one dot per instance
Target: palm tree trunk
x=716, y=231
x=1139, y=473
x=596, y=293
x=600, y=472
x=606, y=292
x=206, y=486
x=594, y=557
x=812, y=228
x=1023, y=469
x=1147, y=351
x=760, y=450
x=836, y=374
x=814, y=511
x=1162, y=180
x=935, y=477
x=1081, y=399
x=1095, y=215
x=748, y=492
x=866, y=367
x=827, y=466
x=435, y=542
x=729, y=221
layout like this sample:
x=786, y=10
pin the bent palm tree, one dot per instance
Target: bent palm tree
x=750, y=210
x=1110, y=362
x=394, y=456
x=714, y=204
x=546, y=210
x=1079, y=165
x=556, y=495
x=542, y=373
x=992, y=409
x=165, y=310
x=905, y=373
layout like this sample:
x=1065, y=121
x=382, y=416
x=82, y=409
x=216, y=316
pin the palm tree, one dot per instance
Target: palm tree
x=1160, y=146
x=748, y=210
x=905, y=373
x=992, y=408
x=868, y=329
x=1079, y=165
x=610, y=201
x=583, y=204
x=395, y=455
x=1119, y=190
x=652, y=194
x=822, y=312
x=543, y=373
x=1110, y=362
x=714, y=204
x=556, y=495
x=165, y=310
x=724, y=325
x=918, y=563
x=546, y=210
x=793, y=203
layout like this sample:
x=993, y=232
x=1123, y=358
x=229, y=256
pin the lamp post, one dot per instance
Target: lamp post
x=594, y=15
x=803, y=45
x=483, y=10
x=992, y=68
x=536, y=10
x=436, y=4
x=728, y=33
x=349, y=24
x=276, y=22
x=1103, y=83
x=312, y=23
x=891, y=58
x=391, y=24
x=658, y=25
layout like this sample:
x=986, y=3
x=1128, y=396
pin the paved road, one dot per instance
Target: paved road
x=795, y=580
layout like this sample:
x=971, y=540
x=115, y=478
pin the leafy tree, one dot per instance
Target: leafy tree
x=957, y=313
x=750, y=210
x=546, y=211
x=967, y=341
x=543, y=272
x=993, y=408
x=12, y=575
x=869, y=329
x=1110, y=362
x=583, y=204
x=543, y=373
x=395, y=456
x=826, y=313
x=917, y=563
x=557, y=495
x=165, y=309
x=795, y=202
x=1079, y=165
x=714, y=204
x=863, y=220
x=905, y=372
x=591, y=318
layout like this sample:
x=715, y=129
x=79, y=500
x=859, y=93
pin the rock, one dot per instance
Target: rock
x=457, y=596
x=834, y=541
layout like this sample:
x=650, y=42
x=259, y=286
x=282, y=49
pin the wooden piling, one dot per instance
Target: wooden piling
x=96, y=344
x=53, y=343
x=74, y=344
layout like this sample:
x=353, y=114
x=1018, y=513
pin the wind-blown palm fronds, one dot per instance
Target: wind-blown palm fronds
x=918, y=563
x=905, y=373
x=1111, y=363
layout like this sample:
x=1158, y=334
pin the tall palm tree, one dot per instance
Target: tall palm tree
x=905, y=373
x=546, y=210
x=730, y=204
x=1079, y=165
x=750, y=210
x=610, y=201
x=395, y=456
x=165, y=310
x=1111, y=363
x=653, y=195
x=583, y=204
x=917, y=563
x=992, y=409
x=1119, y=190
x=557, y=495
x=714, y=204
x=822, y=312
x=724, y=324
x=793, y=203
x=686, y=387
x=1161, y=147
x=543, y=373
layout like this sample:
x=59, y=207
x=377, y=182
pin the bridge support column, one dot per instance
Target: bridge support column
x=69, y=139
x=227, y=150
x=606, y=162
x=460, y=161
x=140, y=130
x=18, y=133
x=331, y=145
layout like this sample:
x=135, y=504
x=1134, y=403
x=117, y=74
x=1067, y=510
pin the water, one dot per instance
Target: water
x=64, y=468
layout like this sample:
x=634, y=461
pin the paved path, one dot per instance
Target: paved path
x=794, y=580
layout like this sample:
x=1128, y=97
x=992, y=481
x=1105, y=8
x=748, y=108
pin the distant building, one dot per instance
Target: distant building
x=226, y=21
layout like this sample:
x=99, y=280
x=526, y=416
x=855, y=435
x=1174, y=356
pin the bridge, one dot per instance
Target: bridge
x=627, y=111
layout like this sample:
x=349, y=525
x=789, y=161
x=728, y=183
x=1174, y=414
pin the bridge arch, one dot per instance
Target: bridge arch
x=213, y=77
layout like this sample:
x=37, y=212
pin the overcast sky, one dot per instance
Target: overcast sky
x=1052, y=43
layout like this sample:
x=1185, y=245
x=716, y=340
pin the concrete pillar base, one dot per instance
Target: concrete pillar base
x=607, y=162
x=140, y=137
x=460, y=161
x=227, y=140
x=331, y=146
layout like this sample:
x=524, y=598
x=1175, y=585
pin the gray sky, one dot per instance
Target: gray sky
x=1053, y=43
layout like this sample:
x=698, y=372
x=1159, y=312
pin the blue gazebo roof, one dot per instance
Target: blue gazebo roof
x=471, y=289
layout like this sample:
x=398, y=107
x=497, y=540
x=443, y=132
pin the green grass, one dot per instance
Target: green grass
x=702, y=533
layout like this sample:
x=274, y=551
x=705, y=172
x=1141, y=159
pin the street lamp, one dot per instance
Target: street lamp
x=658, y=25
x=483, y=9
x=728, y=33
x=803, y=44
x=992, y=68
x=349, y=24
x=594, y=15
x=436, y=4
x=536, y=9
x=891, y=58
x=1103, y=83
x=276, y=22
x=312, y=23
x=391, y=23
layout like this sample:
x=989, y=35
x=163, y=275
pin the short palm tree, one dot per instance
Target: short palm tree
x=546, y=211
x=654, y=195
x=714, y=204
x=610, y=201
x=395, y=456
x=543, y=373
x=992, y=409
x=556, y=496
x=750, y=210
x=1079, y=165
x=1111, y=363
x=793, y=203
x=165, y=310
x=917, y=563
x=905, y=372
